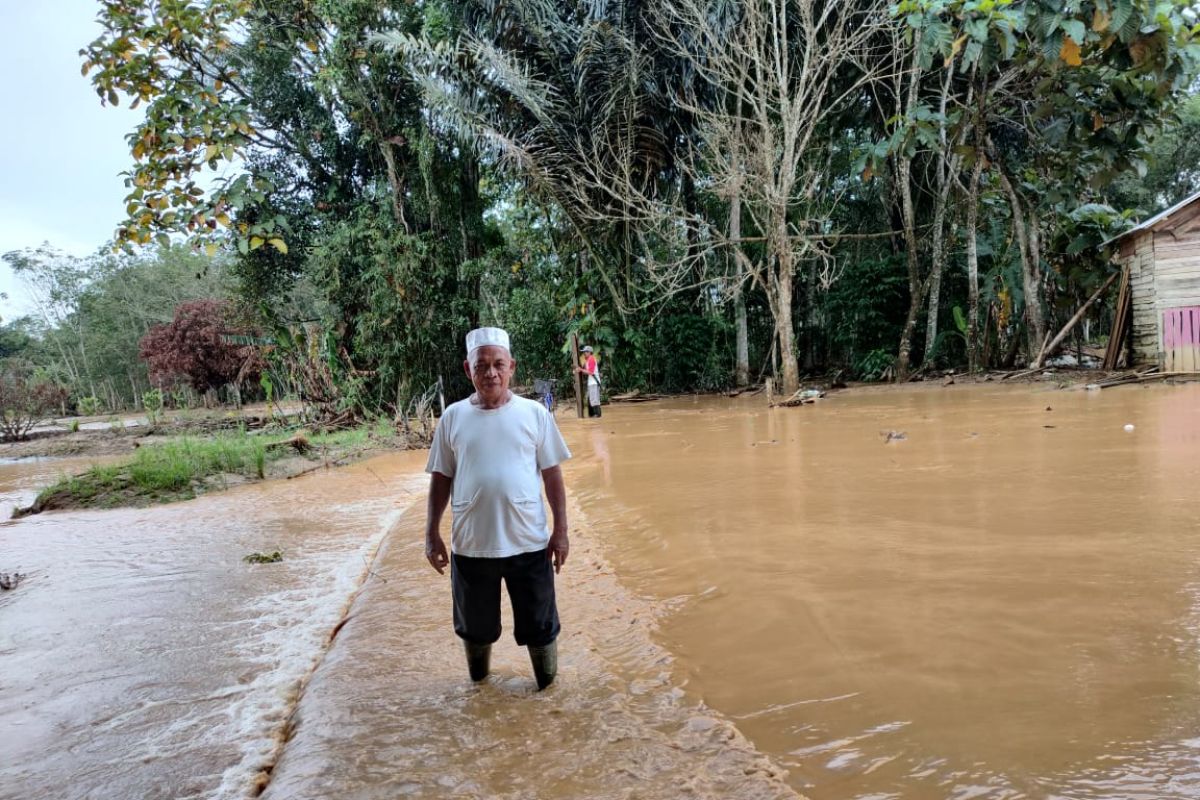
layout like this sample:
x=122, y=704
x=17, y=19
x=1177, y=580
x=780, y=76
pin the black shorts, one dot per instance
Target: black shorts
x=529, y=578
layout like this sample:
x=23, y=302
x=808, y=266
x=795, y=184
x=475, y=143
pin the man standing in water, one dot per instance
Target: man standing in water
x=488, y=454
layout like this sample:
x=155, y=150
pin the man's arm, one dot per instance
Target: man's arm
x=556, y=493
x=439, y=496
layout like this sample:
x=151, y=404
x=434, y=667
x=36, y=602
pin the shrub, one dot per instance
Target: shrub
x=152, y=401
x=25, y=402
x=89, y=406
x=875, y=365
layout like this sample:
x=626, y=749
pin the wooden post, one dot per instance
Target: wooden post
x=576, y=375
x=1047, y=349
x=1117, y=337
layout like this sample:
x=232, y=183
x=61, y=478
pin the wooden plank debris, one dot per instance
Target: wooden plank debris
x=1121, y=319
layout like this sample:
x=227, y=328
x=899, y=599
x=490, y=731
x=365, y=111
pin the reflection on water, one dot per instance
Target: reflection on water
x=1002, y=604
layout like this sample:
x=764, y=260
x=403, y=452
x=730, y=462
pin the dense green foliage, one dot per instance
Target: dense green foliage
x=404, y=172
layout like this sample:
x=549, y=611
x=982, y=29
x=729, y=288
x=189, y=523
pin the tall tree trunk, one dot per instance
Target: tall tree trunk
x=973, y=265
x=903, y=179
x=395, y=181
x=938, y=258
x=742, y=362
x=915, y=287
x=470, y=226
x=783, y=321
x=947, y=170
x=1027, y=240
x=979, y=126
x=1034, y=283
x=743, y=338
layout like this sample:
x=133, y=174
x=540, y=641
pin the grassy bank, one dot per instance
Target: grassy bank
x=181, y=468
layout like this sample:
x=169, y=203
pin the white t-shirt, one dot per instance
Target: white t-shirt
x=495, y=458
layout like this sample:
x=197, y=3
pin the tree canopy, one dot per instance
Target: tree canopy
x=706, y=190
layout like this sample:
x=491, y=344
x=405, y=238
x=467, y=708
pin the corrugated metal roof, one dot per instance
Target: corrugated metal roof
x=1157, y=218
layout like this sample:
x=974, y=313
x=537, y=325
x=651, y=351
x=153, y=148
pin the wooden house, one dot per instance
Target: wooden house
x=1160, y=289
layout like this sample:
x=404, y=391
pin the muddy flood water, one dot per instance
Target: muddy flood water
x=1000, y=599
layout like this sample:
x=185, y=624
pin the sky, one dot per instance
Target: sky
x=61, y=152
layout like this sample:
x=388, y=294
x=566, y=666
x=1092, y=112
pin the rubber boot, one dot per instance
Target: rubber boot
x=479, y=657
x=545, y=663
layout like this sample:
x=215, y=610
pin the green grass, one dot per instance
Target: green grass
x=381, y=430
x=177, y=469
x=169, y=471
x=176, y=465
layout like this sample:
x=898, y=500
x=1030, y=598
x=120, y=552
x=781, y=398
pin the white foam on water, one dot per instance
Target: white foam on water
x=291, y=635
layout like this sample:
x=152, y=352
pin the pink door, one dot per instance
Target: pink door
x=1181, y=339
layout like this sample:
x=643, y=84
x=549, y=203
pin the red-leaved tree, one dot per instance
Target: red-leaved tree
x=192, y=347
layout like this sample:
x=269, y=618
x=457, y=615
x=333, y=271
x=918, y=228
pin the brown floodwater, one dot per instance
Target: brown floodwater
x=1003, y=603
x=1000, y=600
x=22, y=478
x=142, y=658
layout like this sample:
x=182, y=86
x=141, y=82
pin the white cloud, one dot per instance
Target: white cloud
x=62, y=152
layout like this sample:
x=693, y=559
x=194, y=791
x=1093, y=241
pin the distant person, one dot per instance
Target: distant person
x=590, y=367
x=490, y=457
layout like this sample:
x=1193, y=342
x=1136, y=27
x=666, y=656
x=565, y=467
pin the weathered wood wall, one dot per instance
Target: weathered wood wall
x=1177, y=286
x=1177, y=269
x=1137, y=253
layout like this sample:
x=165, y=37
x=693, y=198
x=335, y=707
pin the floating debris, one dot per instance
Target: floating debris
x=9, y=581
x=893, y=436
x=264, y=558
x=803, y=397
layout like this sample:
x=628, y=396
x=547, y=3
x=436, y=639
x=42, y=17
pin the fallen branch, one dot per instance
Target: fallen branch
x=802, y=397
x=1023, y=373
x=337, y=462
x=299, y=443
x=1054, y=343
x=1145, y=377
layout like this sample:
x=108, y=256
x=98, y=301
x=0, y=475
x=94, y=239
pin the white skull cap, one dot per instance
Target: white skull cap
x=482, y=337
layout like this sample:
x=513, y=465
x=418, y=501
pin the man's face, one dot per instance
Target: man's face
x=490, y=368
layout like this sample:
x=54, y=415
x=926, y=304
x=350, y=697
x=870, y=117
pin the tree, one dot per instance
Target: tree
x=92, y=312
x=673, y=169
x=55, y=281
x=761, y=81
x=294, y=98
x=25, y=400
x=16, y=338
x=1053, y=100
x=193, y=346
x=767, y=79
x=1173, y=167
